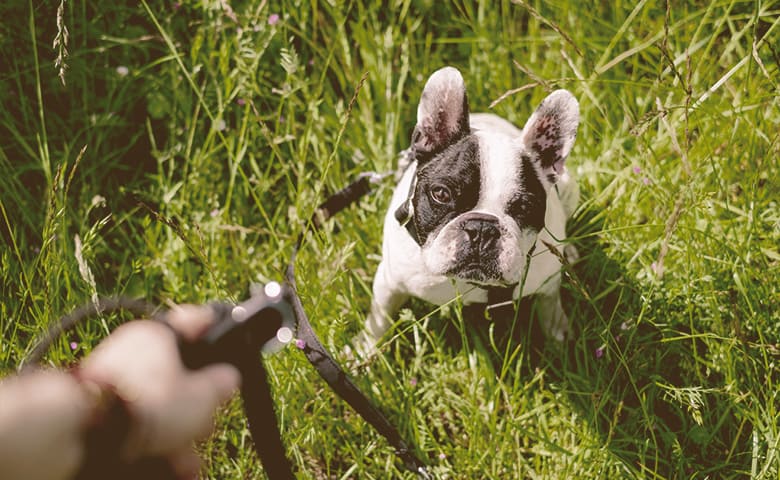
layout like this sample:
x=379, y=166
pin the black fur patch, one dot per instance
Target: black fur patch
x=529, y=204
x=548, y=141
x=456, y=168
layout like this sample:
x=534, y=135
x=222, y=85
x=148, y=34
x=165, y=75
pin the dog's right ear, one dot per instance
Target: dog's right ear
x=550, y=132
x=443, y=113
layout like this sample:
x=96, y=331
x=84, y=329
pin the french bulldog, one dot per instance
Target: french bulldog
x=481, y=205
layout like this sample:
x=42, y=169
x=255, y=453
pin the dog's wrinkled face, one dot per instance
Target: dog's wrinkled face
x=479, y=196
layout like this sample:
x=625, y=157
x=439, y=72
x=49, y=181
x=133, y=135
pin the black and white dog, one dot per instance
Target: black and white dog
x=477, y=207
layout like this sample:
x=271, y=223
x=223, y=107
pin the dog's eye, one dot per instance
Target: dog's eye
x=441, y=194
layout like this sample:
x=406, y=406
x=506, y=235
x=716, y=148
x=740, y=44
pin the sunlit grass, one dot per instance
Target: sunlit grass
x=191, y=141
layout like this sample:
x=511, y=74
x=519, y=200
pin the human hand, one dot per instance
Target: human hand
x=170, y=406
x=44, y=414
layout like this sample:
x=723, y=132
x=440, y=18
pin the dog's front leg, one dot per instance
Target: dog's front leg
x=388, y=298
x=554, y=322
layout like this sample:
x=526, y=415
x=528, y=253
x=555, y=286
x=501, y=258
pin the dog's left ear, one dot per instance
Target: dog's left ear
x=550, y=132
x=443, y=113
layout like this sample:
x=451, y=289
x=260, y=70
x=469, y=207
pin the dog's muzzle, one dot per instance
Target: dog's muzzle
x=478, y=247
x=482, y=234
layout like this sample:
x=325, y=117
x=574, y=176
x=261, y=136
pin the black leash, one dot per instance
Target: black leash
x=263, y=322
x=319, y=356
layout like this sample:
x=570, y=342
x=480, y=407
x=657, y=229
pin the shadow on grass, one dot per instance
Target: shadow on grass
x=640, y=383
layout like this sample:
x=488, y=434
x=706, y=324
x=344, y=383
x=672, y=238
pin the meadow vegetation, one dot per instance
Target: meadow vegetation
x=172, y=151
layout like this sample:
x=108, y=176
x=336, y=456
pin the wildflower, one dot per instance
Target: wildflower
x=74, y=345
x=214, y=213
x=442, y=456
x=240, y=102
x=273, y=19
x=122, y=71
x=220, y=126
x=637, y=169
x=413, y=382
x=599, y=352
x=300, y=343
x=646, y=181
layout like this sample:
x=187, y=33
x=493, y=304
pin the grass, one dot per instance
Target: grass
x=190, y=139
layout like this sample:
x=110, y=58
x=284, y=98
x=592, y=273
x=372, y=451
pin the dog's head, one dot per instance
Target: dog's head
x=478, y=199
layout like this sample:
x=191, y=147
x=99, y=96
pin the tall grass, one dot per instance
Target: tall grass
x=189, y=141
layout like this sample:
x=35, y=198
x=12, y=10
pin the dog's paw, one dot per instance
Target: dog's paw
x=571, y=253
x=559, y=330
x=361, y=352
x=554, y=322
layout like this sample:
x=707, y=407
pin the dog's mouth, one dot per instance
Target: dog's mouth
x=480, y=272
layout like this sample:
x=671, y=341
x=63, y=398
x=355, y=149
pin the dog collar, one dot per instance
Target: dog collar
x=405, y=213
x=501, y=298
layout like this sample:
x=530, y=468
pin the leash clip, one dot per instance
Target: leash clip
x=375, y=178
x=263, y=322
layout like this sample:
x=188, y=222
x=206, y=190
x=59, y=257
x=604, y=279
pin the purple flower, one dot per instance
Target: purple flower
x=241, y=102
x=300, y=343
x=599, y=352
x=74, y=345
x=654, y=267
x=273, y=19
x=637, y=169
x=646, y=181
x=413, y=381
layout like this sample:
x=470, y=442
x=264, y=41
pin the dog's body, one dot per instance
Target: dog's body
x=477, y=207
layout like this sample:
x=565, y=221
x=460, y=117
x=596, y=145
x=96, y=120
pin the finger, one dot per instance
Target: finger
x=190, y=415
x=221, y=380
x=211, y=386
x=191, y=321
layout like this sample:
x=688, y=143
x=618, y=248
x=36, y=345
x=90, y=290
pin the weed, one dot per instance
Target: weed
x=192, y=138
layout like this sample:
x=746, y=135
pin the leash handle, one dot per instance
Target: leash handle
x=263, y=322
x=263, y=424
x=237, y=337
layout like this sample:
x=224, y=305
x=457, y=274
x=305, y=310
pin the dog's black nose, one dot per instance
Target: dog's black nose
x=482, y=232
